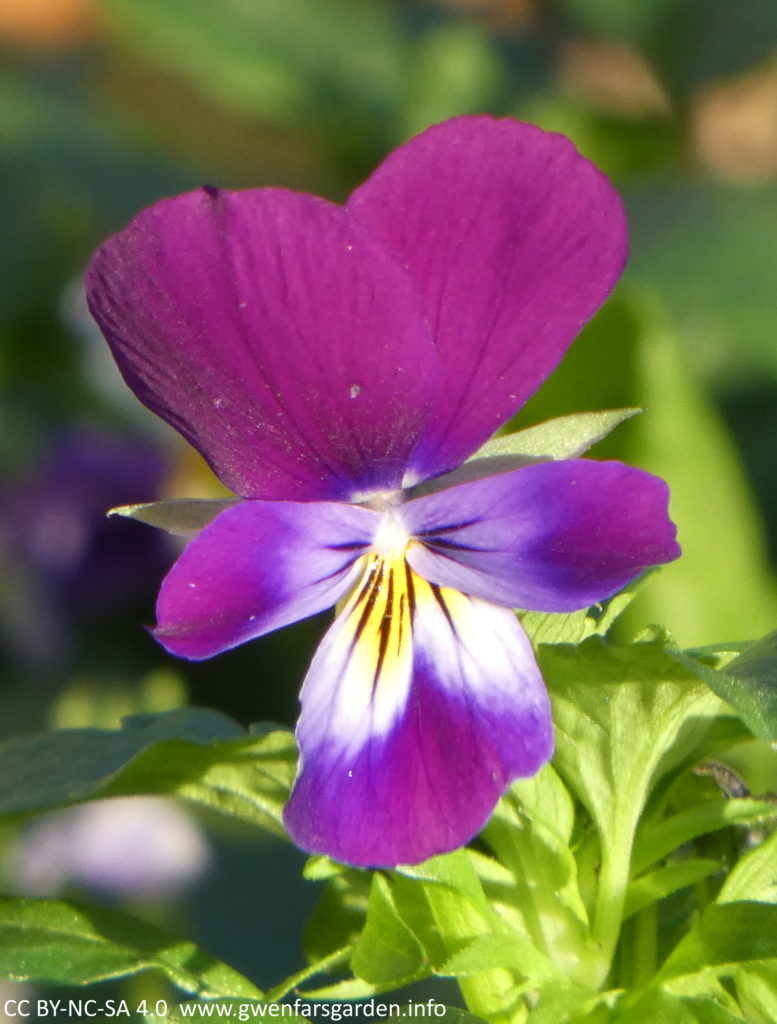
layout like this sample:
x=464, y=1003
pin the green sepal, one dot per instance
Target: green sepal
x=183, y=517
x=564, y=437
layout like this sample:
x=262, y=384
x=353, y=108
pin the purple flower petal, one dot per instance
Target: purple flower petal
x=555, y=536
x=420, y=707
x=276, y=334
x=515, y=240
x=258, y=566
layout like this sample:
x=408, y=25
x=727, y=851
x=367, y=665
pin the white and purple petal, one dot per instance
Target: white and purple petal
x=258, y=566
x=514, y=240
x=554, y=536
x=276, y=333
x=420, y=707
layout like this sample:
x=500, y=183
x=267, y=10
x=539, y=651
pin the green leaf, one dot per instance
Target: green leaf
x=62, y=942
x=201, y=756
x=452, y=1014
x=757, y=991
x=574, y=627
x=625, y=717
x=661, y=1007
x=461, y=913
x=726, y=937
x=749, y=684
x=657, y=839
x=564, y=437
x=648, y=889
x=530, y=833
x=387, y=951
x=455, y=872
x=182, y=517
x=754, y=876
x=292, y=983
x=275, y=61
x=339, y=915
x=513, y=952
x=236, y=1009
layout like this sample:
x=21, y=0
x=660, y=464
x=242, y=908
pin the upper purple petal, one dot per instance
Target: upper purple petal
x=258, y=566
x=420, y=707
x=553, y=537
x=275, y=333
x=514, y=240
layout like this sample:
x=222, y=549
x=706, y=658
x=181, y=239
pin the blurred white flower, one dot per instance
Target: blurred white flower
x=126, y=846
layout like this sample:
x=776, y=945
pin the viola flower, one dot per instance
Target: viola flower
x=332, y=364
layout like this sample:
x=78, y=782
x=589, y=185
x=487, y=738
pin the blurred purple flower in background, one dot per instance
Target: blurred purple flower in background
x=331, y=364
x=125, y=847
x=61, y=556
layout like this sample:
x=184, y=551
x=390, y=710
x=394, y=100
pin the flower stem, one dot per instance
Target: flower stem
x=613, y=883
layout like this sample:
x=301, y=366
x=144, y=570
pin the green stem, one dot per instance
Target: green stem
x=645, y=952
x=613, y=883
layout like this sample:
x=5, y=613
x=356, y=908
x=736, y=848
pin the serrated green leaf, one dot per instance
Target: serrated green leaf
x=754, y=876
x=662, y=882
x=351, y=988
x=201, y=756
x=386, y=951
x=461, y=913
x=727, y=936
x=658, y=839
x=63, y=942
x=487, y=952
x=530, y=833
x=626, y=716
x=183, y=517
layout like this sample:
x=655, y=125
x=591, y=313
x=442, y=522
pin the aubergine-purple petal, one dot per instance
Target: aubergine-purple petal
x=413, y=765
x=553, y=536
x=258, y=566
x=276, y=333
x=514, y=240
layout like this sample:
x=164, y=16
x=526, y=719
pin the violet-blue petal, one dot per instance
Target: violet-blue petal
x=554, y=537
x=259, y=565
x=515, y=240
x=275, y=333
x=413, y=723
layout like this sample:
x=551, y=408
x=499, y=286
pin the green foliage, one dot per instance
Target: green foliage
x=71, y=943
x=199, y=755
x=531, y=923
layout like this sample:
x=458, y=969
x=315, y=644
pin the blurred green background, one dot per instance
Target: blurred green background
x=107, y=105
